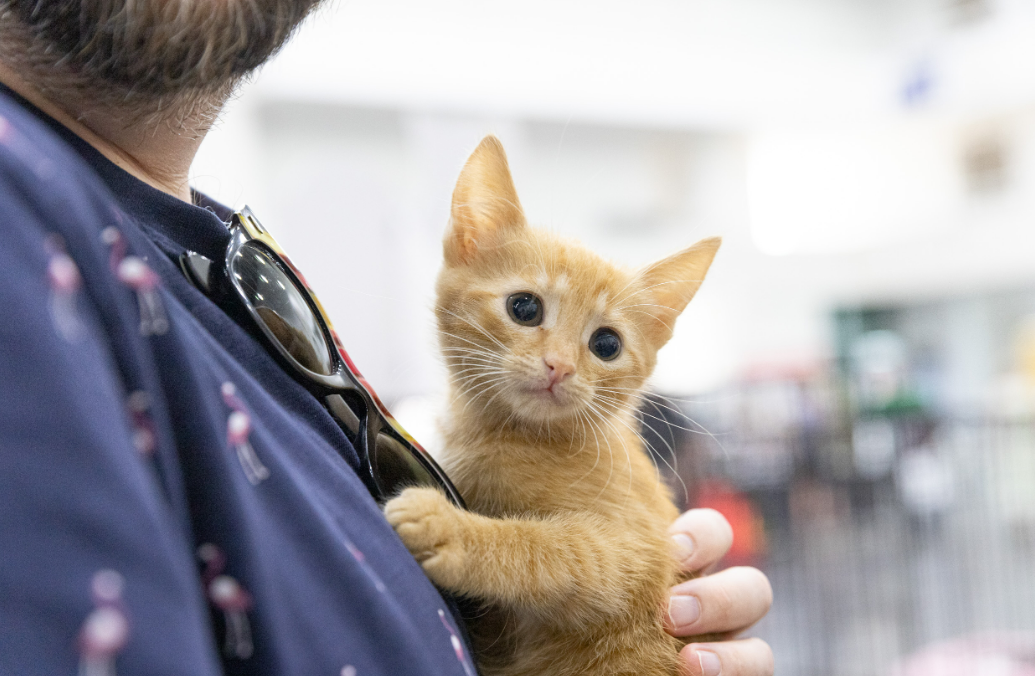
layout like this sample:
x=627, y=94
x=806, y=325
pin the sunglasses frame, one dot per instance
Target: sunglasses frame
x=345, y=381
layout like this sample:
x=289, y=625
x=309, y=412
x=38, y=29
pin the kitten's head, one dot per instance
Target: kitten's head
x=536, y=328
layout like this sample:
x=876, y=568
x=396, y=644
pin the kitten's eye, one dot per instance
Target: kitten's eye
x=606, y=344
x=525, y=309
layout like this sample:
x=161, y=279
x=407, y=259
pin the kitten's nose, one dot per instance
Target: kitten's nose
x=558, y=368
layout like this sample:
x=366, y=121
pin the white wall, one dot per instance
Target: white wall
x=779, y=125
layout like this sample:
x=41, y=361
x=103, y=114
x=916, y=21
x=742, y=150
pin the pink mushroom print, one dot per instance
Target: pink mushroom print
x=135, y=273
x=145, y=437
x=64, y=281
x=458, y=646
x=105, y=631
x=227, y=594
x=238, y=429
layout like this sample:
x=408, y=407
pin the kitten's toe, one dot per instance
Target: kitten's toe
x=429, y=526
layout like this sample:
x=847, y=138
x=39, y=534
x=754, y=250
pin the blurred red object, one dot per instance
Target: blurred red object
x=749, y=541
x=986, y=654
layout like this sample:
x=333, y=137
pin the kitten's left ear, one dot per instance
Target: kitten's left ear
x=485, y=203
x=670, y=284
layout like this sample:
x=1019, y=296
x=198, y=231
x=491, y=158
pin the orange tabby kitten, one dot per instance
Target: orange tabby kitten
x=547, y=346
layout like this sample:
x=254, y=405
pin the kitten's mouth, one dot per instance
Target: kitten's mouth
x=541, y=401
x=551, y=392
x=543, y=396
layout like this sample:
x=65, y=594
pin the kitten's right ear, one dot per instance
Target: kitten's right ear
x=484, y=203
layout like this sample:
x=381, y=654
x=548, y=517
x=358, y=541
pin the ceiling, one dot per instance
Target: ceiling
x=707, y=64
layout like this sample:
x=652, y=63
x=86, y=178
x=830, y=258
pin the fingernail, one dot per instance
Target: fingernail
x=709, y=662
x=684, y=546
x=683, y=610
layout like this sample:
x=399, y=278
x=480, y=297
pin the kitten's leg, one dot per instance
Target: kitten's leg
x=559, y=566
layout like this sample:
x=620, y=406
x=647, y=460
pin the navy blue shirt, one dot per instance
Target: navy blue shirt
x=171, y=501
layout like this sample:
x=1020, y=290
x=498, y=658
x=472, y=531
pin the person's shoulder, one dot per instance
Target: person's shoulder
x=40, y=170
x=50, y=197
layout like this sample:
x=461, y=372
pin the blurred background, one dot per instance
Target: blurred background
x=854, y=386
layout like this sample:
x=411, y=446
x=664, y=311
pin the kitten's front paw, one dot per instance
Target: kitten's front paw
x=431, y=528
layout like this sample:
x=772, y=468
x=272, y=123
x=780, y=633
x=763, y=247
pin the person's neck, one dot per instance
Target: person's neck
x=157, y=154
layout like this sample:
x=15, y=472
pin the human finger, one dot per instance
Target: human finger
x=700, y=537
x=728, y=601
x=744, y=657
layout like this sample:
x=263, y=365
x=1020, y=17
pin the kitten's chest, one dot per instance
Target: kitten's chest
x=507, y=479
x=497, y=487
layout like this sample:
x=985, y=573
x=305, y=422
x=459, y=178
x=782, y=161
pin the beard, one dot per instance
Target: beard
x=144, y=56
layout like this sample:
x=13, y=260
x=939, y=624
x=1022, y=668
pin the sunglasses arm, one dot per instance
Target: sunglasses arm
x=198, y=270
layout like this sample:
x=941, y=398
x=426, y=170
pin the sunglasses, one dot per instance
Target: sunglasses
x=257, y=275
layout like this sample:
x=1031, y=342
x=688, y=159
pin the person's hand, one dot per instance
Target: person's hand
x=725, y=603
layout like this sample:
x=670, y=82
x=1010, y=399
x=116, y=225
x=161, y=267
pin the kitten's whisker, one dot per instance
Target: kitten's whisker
x=477, y=363
x=670, y=445
x=542, y=258
x=700, y=429
x=536, y=248
x=672, y=466
x=669, y=423
x=664, y=307
x=655, y=452
x=595, y=426
x=481, y=381
x=478, y=328
x=628, y=457
x=607, y=378
x=462, y=366
x=463, y=362
x=636, y=278
x=509, y=418
x=463, y=349
x=472, y=356
x=655, y=318
x=648, y=288
x=671, y=399
x=469, y=374
x=571, y=444
x=668, y=426
x=476, y=369
x=536, y=267
x=501, y=381
x=478, y=346
x=596, y=460
x=475, y=375
x=582, y=435
x=471, y=394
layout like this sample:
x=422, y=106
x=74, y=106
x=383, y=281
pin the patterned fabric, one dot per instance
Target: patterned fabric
x=171, y=501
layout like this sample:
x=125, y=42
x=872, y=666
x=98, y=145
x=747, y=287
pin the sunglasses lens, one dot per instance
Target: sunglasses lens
x=280, y=304
x=395, y=467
